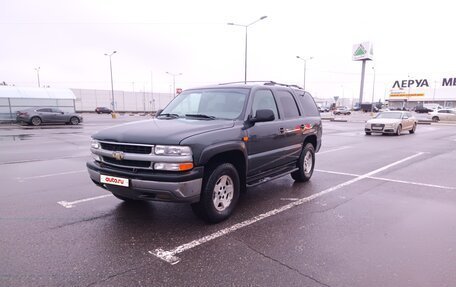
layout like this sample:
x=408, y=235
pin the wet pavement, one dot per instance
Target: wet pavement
x=379, y=211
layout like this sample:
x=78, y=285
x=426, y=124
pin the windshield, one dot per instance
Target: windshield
x=208, y=103
x=393, y=115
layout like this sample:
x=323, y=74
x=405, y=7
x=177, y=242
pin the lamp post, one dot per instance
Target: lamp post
x=38, y=75
x=174, y=81
x=305, y=64
x=373, y=91
x=245, y=52
x=112, y=83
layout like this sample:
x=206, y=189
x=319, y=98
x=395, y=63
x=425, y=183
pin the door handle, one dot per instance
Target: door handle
x=281, y=130
x=303, y=126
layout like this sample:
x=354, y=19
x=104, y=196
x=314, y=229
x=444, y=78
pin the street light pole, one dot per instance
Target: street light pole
x=373, y=91
x=174, y=81
x=245, y=50
x=305, y=64
x=38, y=75
x=112, y=82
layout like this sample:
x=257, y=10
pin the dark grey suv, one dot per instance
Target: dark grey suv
x=208, y=145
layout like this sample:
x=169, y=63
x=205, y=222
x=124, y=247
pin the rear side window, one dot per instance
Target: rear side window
x=308, y=105
x=288, y=103
x=262, y=100
x=44, y=110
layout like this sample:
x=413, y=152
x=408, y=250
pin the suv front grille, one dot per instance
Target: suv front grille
x=126, y=148
x=127, y=163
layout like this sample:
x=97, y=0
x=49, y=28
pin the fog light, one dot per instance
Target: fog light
x=96, y=157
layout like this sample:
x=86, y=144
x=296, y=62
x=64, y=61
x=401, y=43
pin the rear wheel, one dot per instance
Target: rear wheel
x=74, y=121
x=435, y=119
x=412, y=131
x=306, y=164
x=219, y=194
x=36, y=121
x=399, y=130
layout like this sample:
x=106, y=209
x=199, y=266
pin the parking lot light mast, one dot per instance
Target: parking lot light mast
x=245, y=50
x=305, y=64
x=38, y=75
x=112, y=82
x=174, y=81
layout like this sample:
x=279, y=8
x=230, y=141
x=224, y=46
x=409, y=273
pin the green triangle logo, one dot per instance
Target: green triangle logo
x=360, y=51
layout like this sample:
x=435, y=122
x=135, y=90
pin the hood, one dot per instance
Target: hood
x=383, y=121
x=161, y=131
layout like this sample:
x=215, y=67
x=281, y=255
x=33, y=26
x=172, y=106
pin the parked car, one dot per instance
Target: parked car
x=103, y=110
x=422, y=109
x=208, y=144
x=443, y=115
x=342, y=111
x=393, y=122
x=38, y=116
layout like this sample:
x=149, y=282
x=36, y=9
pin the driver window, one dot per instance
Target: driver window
x=264, y=100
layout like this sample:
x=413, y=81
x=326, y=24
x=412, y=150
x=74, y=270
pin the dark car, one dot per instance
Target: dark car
x=103, y=110
x=208, y=145
x=422, y=110
x=38, y=116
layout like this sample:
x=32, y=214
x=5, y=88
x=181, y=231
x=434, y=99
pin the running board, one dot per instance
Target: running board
x=269, y=178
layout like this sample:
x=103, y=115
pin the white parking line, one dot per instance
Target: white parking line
x=71, y=204
x=170, y=255
x=335, y=149
x=50, y=175
x=389, y=179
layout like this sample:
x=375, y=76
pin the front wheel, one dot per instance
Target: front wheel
x=399, y=130
x=435, y=119
x=305, y=164
x=368, y=133
x=74, y=121
x=220, y=194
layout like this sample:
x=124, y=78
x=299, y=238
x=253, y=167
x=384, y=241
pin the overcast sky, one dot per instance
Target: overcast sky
x=68, y=40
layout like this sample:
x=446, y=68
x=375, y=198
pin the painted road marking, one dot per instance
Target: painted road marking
x=335, y=149
x=170, y=257
x=71, y=204
x=389, y=179
x=21, y=179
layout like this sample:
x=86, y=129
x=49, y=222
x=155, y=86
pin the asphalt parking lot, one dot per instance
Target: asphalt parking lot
x=379, y=211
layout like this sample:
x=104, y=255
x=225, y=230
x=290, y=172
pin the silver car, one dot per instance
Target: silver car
x=37, y=116
x=443, y=115
x=393, y=122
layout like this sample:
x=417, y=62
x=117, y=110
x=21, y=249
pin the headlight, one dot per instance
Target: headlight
x=173, y=166
x=172, y=150
x=95, y=144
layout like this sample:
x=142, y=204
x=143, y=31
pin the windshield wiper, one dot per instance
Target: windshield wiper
x=169, y=115
x=200, y=116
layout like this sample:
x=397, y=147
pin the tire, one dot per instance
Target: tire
x=36, y=121
x=368, y=133
x=219, y=195
x=306, y=164
x=412, y=131
x=435, y=119
x=348, y=113
x=399, y=130
x=74, y=121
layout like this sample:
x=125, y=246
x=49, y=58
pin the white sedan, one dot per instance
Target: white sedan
x=393, y=122
x=443, y=115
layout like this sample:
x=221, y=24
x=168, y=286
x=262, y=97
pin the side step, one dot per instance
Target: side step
x=269, y=178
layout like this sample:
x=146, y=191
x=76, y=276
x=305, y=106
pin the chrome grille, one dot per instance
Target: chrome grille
x=138, y=149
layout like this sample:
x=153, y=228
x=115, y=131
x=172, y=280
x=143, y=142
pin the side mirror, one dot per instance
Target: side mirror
x=263, y=116
x=159, y=112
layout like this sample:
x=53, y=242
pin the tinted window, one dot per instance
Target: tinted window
x=44, y=110
x=308, y=105
x=290, y=109
x=262, y=100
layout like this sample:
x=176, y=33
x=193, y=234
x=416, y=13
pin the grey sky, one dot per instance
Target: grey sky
x=67, y=39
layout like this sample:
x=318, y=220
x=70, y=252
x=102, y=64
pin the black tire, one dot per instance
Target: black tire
x=412, y=131
x=399, y=130
x=74, y=121
x=368, y=133
x=126, y=199
x=304, y=173
x=435, y=119
x=36, y=121
x=210, y=208
x=348, y=113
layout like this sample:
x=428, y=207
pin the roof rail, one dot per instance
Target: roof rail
x=266, y=83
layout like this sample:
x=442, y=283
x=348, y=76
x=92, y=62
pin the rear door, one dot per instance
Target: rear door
x=45, y=114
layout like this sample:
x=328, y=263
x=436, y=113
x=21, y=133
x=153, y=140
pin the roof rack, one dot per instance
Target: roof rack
x=266, y=83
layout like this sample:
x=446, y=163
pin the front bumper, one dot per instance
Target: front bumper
x=386, y=130
x=171, y=187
